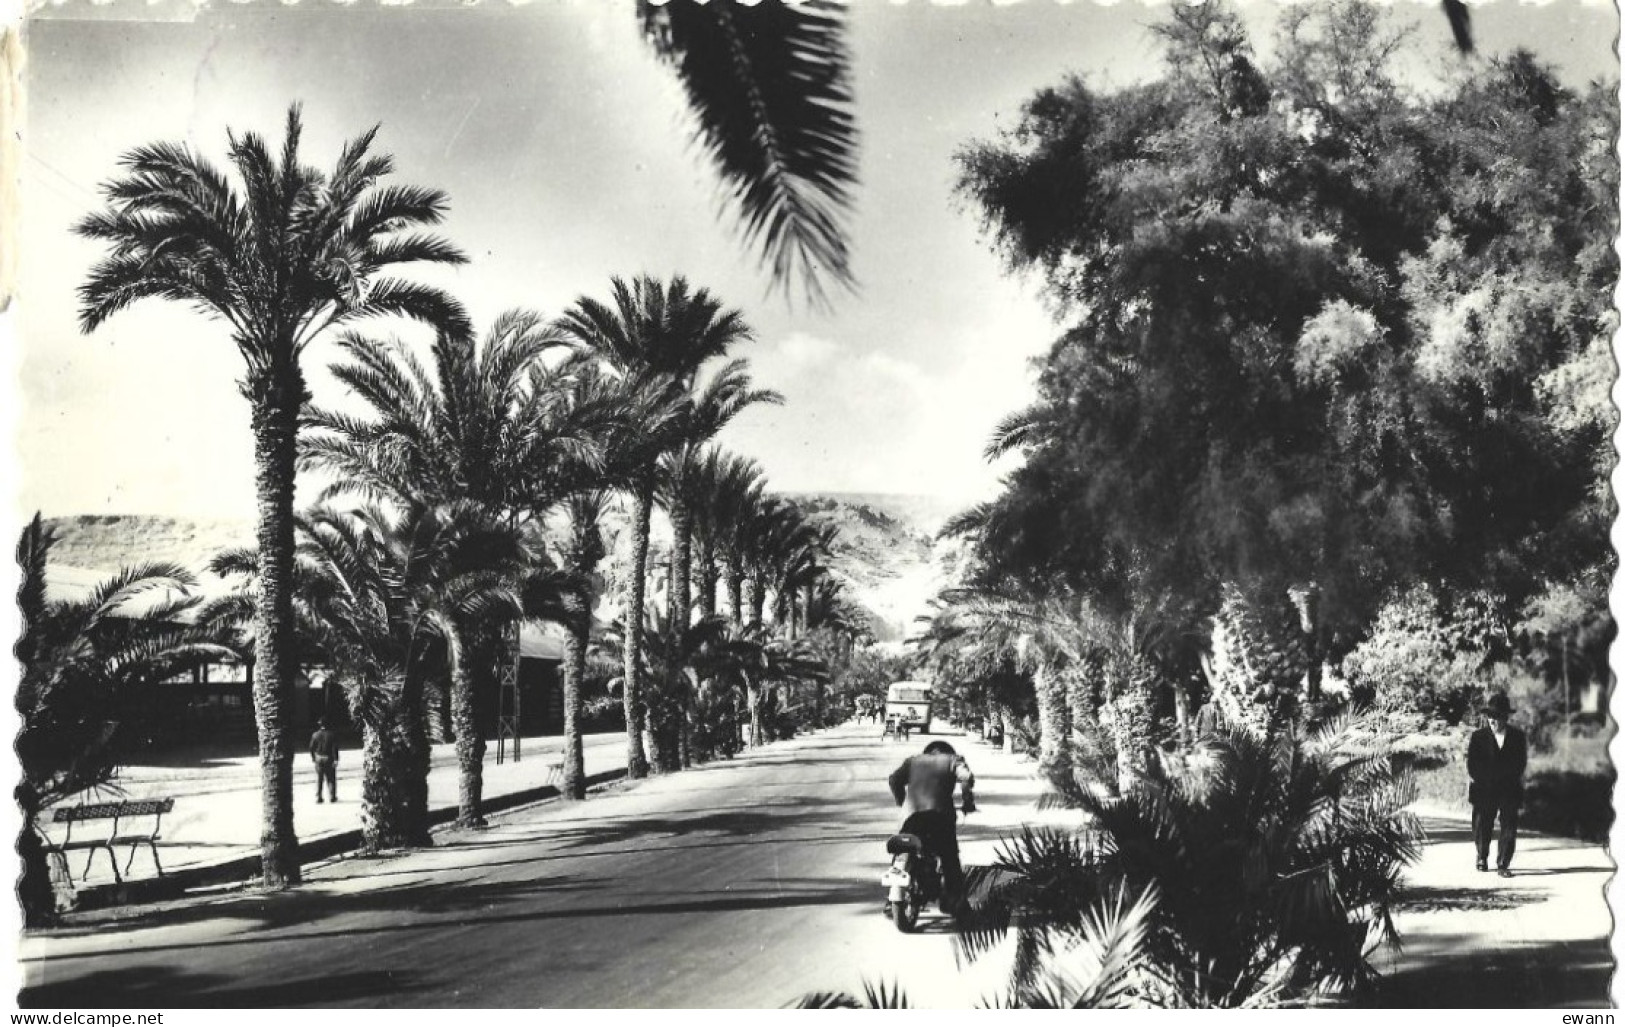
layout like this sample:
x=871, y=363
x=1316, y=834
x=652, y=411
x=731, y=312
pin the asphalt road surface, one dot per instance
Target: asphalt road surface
x=747, y=883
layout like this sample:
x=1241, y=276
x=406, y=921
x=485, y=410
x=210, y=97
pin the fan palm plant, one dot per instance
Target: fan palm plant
x=81, y=662
x=280, y=259
x=464, y=429
x=1275, y=857
x=1099, y=960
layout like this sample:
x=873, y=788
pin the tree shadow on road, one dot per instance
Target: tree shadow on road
x=165, y=986
x=271, y=911
x=1456, y=971
x=297, y=915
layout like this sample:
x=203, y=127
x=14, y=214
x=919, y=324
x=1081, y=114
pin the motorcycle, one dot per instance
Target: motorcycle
x=913, y=880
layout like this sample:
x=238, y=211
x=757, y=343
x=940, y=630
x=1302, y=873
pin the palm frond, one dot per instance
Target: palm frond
x=769, y=88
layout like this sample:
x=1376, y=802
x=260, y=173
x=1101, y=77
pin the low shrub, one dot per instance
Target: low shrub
x=1273, y=857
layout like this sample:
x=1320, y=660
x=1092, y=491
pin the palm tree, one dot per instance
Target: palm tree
x=630, y=425
x=733, y=489
x=1275, y=857
x=1045, y=636
x=656, y=337
x=281, y=259
x=82, y=661
x=381, y=600
x=462, y=430
x=684, y=488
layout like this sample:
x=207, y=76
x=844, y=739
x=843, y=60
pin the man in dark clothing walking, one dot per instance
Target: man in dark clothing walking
x=924, y=786
x=324, y=750
x=1496, y=757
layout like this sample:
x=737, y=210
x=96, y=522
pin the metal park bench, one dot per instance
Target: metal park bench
x=117, y=812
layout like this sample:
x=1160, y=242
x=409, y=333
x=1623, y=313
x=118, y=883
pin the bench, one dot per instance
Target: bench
x=118, y=813
x=555, y=774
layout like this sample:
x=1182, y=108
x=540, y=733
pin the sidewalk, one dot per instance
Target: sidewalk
x=1469, y=939
x=212, y=835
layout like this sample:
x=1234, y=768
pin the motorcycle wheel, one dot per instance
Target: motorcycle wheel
x=905, y=914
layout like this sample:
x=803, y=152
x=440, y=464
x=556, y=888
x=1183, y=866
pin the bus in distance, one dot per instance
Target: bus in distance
x=909, y=702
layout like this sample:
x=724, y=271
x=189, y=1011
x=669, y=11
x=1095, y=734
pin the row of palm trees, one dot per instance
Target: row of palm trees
x=487, y=475
x=484, y=473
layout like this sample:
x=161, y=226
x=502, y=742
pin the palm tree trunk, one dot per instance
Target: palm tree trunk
x=707, y=564
x=753, y=701
x=675, y=756
x=758, y=599
x=736, y=595
x=275, y=420
x=1052, y=720
x=642, y=506
x=415, y=759
x=576, y=635
x=386, y=790
x=470, y=741
x=35, y=892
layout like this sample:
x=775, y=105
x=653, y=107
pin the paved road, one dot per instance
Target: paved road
x=740, y=884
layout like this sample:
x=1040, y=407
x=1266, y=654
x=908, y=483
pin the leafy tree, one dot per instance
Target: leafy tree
x=1326, y=337
x=280, y=258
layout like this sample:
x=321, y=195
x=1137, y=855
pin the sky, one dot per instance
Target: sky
x=566, y=153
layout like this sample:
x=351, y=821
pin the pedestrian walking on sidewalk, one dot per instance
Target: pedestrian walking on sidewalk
x=1496, y=757
x=324, y=750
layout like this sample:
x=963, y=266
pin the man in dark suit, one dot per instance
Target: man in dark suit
x=324, y=752
x=1496, y=756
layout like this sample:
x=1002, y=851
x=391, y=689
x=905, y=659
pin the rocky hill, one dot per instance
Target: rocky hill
x=885, y=550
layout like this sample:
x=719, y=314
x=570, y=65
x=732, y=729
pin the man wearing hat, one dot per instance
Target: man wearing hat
x=1496, y=757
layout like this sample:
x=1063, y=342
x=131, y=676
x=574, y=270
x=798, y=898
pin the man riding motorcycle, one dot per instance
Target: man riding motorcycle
x=924, y=786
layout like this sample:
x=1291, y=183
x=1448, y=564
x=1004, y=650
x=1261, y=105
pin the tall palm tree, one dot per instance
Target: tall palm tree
x=461, y=430
x=280, y=258
x=683, y=484
x=629, y=426
x=733, y=488
x=656, y=336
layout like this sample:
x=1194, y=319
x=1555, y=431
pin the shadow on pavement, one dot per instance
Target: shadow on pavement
x=168, y=986
x=310, y=905
x=299, y=909
x=1425, y=899
x=1449, y=971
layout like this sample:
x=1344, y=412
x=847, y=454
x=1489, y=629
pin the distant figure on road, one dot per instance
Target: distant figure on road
x=1496, y=757
x=924, y=786
x=324, y=750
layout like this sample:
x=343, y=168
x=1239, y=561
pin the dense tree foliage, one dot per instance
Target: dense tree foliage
x=1326, y=336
